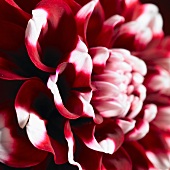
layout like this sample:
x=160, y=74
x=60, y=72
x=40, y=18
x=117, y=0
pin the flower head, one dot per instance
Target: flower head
x=83, y=79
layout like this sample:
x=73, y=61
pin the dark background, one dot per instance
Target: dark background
x=164, y=8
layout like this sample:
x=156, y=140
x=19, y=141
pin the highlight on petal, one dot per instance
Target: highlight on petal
x=148, y=14
x=82, y=62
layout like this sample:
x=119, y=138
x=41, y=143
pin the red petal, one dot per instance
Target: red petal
x=34, y=89
x=156, y=148
x=90, y=16
x=82, y=62
x=12, y=35
x=32, y=112
x=120, y=160
x=109, y=31
x=12, y=13
x=45, y=33
x=82, y=153
x=137, y=154
x=16, y=149
x=111, y=10
x=109, y=130
x=26, y=5
x=9, y=70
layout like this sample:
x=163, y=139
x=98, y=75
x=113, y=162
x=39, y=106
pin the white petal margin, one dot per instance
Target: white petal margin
x=37, y=133
x=70, y=141
x=6, y=141
x=35, y=25
x=22, y=116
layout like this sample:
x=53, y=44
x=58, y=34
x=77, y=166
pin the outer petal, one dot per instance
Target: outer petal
x=70, y=140
x=82, y=153
x=45, y=34
x=79, y=64
x=137, y=155
x=9, y=70
x=16, y=149
x=12, y=13
x=120, y=160
x=109, y=31
x=90, y=15
x=106, y=137
x=82, y=62
x=156, y=148
x=35, y=113
x=12, y=35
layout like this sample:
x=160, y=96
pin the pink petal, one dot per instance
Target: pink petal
x=140, y=130
x=37, y=133
x=99, y=58
x=126, y=125
x=149, y=112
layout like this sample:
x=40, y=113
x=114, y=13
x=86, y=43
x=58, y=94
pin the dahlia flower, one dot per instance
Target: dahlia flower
x=84, y=85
